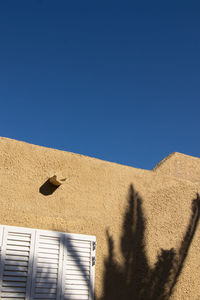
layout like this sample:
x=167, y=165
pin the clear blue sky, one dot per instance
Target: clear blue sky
x=117, y=80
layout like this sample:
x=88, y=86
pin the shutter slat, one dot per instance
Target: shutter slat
x=49, y=251
x=17, y=289
x=18, y=238
x=17, y=278
x=78, y=249
x=47, y=275
x=47, y=285
x=81, y=282
x=78, y=277
x=76, y=297
x=47, y=270
x=47, y=260
x=76, y=292
x=16, y=273
x=18, y=248
x=18, y=243
x=11, y=284
x=45, y=280
x=47, y=265
x=48, y=255
x=16, y=263
x=75, y=242
x=75, y=267
x=72, y=287
x=76, y=254
x=78, y=272
x=12, y=294
x=45, y=290
x=11, y=268
x=16, y=258
x=80, y=260
x=49, y=246
x=46, y=296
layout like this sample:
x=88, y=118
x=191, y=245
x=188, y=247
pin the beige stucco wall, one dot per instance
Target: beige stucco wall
x=181, y=166
x=94, y=199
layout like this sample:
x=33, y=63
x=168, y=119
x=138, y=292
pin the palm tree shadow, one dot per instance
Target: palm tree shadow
x=135, y=279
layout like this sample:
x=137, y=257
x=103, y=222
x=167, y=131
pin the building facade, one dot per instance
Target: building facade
x=145, y=222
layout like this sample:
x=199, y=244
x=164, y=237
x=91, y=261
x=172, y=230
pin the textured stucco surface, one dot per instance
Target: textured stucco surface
x=94, y=199
x=181, y=166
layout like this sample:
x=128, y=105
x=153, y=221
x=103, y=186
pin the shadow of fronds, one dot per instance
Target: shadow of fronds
x=135, y=279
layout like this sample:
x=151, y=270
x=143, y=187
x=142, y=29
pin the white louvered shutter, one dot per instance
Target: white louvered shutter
x=47, y=268
x=78, y=267
x=16, y=263
x=36, y=264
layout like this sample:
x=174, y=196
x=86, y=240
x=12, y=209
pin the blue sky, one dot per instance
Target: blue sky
x=116, y=80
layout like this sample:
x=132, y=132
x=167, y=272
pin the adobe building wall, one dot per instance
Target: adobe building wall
x=95, y=198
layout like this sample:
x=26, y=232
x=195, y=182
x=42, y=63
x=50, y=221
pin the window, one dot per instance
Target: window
x=37, y=264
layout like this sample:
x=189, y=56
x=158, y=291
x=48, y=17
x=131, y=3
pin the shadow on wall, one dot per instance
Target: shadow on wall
x=135, y=279
x=47, y=188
